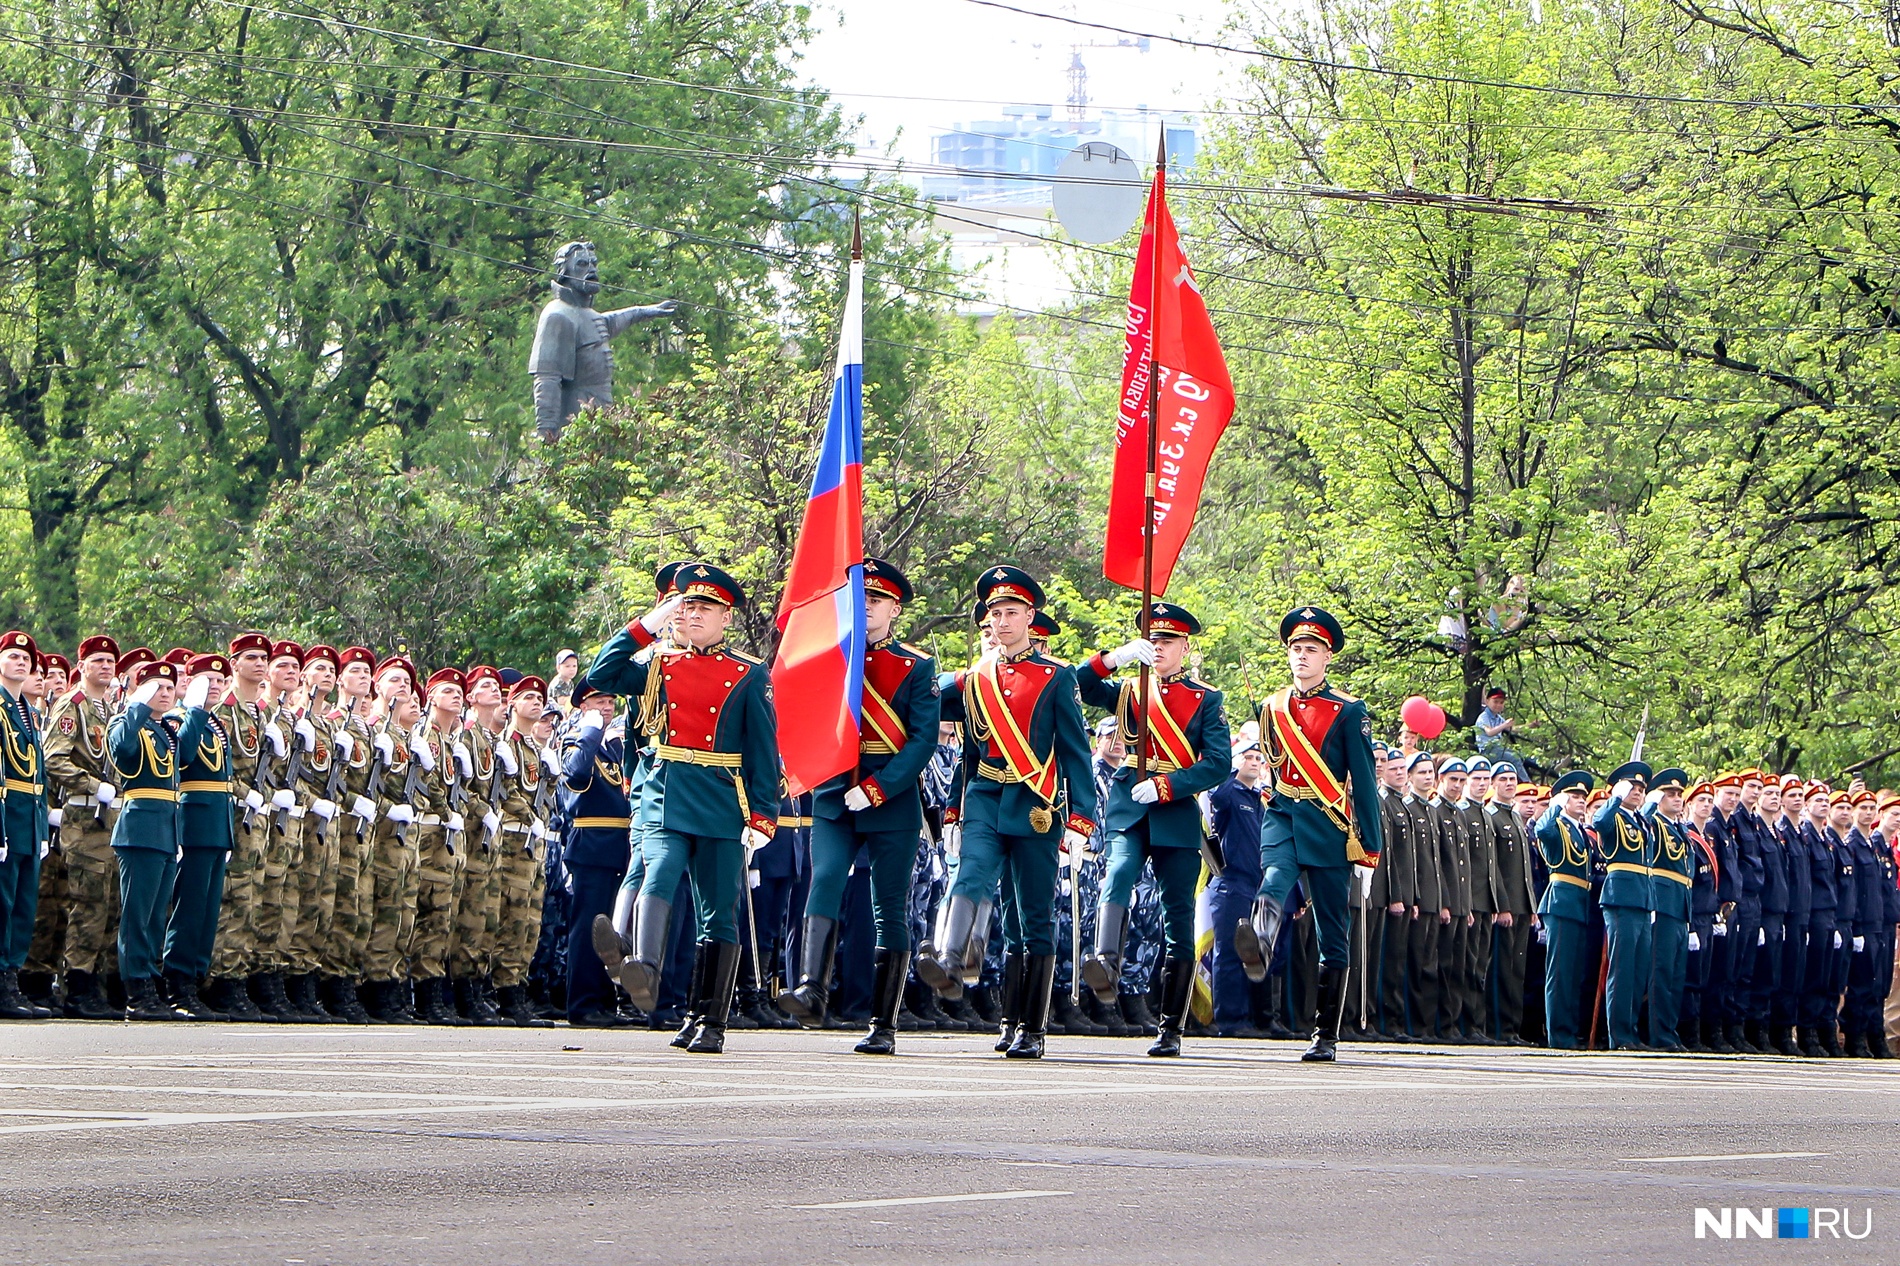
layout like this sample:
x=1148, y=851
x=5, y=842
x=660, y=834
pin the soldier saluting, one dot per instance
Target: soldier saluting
x=1323, y=815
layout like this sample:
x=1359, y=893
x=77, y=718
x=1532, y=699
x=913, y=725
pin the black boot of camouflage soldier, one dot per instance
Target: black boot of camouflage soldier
x=1332, y=1000
x=807, y=1001
x=887, y=991
x=1010, y=1005
x=1039, y=976
x=715, y=1003
x=339, y=995
x=1177, y=985
x=86, y=998
x=267, y=989
x=1255, y=938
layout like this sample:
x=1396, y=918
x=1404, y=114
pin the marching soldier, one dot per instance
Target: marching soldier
x=23, y=822
x=1323, y=817
x=353, y=826
x=1026, y=752
x=440, y=843
x=878, y=808
x=205, y=836
x=1740, y=947
x=238, y=966
x=711, y=796
x=523, y=837
x=1672, y=877
x=76, y=769
x=1861, y=1019
x=1628, y=850
x=1565, y=908
x=146, y=838
x=395, y=868
x=1155, y=818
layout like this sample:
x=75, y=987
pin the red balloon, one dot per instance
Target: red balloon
x=1423, y=717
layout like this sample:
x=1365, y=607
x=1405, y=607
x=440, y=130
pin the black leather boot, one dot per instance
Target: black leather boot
x=887, y=991
x=1332, y=989
x=931, y=1014
x=1140, y=1018
x=514, y=1008
x=1010, y=1006
x=1831, y=1039
x=340, y=997
x=1877, y=1044
x=1715, y=1037
x=1108, y=1016
x=186, y=1001
x=1788, y=1040
x=640, y=975
x=1857, y=1047
x=1039, y=976
x=1102, y=970
x=37, y=986
x=267, y=988
x=1177, y=985
x=432, y=998
x=1810, y=1042
x=229, y=995
x=14, y=1004
x=696, y=986
x=86, y=998
x=1255, y=938
x=806, y=1002
x=715, y=1003
x=474, y=1004
x=142, y=1001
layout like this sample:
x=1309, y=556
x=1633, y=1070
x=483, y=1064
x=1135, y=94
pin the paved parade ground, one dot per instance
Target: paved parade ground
x=229, y=1143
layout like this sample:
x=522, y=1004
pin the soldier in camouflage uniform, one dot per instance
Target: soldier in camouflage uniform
x=234, y=957
x=342, y=960
x=75, y=740
x=440, y=843
x=478, y=909
x=393, y=866
x=523, y=839
x=310, y=916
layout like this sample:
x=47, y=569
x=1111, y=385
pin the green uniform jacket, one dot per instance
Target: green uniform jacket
x=890, y=778
x=144, y=753
x=1566, y=852
x=715, y=767
x=1672, y=874
x=204, y=784
x=1056, y=732
x=1623, y=837
x=1174, y=821
x=1347, y=751
x=23, y=803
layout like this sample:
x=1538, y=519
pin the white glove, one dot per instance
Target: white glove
x=145, y=692
x=655, y=620
x=1860, y=944
x=1761, y=936
x=285, y=799
x=550, y=759
x=325, y=809
x=856, y=800
x=1653, y=799
x=1837, y=939
x=986, y=659
x=463, y=761
x=952, y=839
x=386, y=747
x=1075, y=842
x=591, y=722
x=491, y=822
x=55, y=816
x=1695, y=942
x=424, y=756
x=345, y=745
x=306, y=734
x=1543, y=935
x=4, y=854
x=198, y=692
x=276, y=737
x=1721, y=929
x=1145, y=792
x=1139, y=651
x=537, y=830
x=179, y=858
x=46, y=846
x=505, y=753
x=253, y=801
x=455, y=822
x=1618, y=792
x=364, y=808
x=754, y=840
x=1365, y=881
x=106, y=794
x=402, y=813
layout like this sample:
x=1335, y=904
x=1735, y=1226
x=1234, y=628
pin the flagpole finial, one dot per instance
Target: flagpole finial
x=857, y=236
x=1161, y=148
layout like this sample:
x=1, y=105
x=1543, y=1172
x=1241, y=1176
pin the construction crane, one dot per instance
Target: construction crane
x=1079, y=73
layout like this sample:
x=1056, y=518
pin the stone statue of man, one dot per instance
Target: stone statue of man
x=571, y=364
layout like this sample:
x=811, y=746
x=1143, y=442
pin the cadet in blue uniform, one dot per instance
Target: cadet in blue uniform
x=878, y=808
x=1736, y=795
x=1235, y=808
x=1827, y=965
x=711, y=797
x=1153, y=817
x=1787, y=1020
x=1771, y=941
x=1628, y=847
x=1566, y=909
x=206, y=836
x=1027, y=786
x=1322, y=817
x=1861, y=1016
x=1671, y=877
x=595, y=849
x=23, y=825
x=1887, y=830
x=144, y=753
x=1704, y=905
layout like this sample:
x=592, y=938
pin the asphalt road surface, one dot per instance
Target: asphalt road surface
x=232, y=1143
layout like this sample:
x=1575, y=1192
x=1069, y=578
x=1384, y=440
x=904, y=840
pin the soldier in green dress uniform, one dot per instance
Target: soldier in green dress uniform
x=1672, y=880
x=23, y=824
x=147, y=836
x=205, y=836
x=1627, y=843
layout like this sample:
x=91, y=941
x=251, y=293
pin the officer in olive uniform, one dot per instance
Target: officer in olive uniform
x=1028, y=787
x=205, y=836
x=1429, y=911
x=1323, y=817
x=879, y=809
x=1672, y=879
x=1453, y=831
x=147, y=837
x=1629, y=850
x=1566, y=909
x=23, y=823
x=1153, y=816
x=712, y=794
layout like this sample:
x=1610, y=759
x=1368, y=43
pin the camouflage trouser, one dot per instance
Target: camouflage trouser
x=477, y=907
x=92, y=895
x=49, y=922
x=276, y=910
x=439, y=887
x=354, y=898
x=523, y=881
x=394, y=879
x=235, y=954
x=316, y=893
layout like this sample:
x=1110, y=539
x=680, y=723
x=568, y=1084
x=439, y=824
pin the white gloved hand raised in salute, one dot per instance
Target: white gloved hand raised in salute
x=655, y=620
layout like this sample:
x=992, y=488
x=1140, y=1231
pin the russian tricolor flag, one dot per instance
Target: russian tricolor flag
x=818, y=673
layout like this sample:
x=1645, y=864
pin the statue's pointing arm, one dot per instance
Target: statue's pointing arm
x=622, y=318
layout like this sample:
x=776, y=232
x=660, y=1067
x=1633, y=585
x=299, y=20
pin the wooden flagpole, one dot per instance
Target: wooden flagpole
x=1154, y=439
